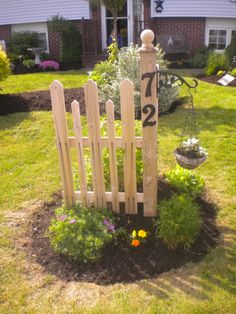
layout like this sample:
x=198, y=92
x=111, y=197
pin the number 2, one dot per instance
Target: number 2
x=145, y=110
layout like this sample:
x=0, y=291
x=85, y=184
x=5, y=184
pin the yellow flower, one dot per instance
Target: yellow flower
x=134, y=234
x=142, y=233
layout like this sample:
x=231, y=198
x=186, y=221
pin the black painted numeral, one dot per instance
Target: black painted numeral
x=149, y=75
x=145, y=110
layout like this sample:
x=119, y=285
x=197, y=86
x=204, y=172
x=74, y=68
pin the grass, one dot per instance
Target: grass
x=41, y=81
x=29, y=173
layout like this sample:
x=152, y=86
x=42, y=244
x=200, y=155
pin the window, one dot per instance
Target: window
x=43, y=40
x=217, y=39
x=233, y=33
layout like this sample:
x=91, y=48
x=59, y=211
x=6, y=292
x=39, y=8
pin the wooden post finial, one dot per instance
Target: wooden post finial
x=147, y=36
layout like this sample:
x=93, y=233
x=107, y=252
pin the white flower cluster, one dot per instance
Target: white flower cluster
x=192, y=146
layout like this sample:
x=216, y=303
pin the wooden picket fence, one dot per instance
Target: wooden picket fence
x=128, y=142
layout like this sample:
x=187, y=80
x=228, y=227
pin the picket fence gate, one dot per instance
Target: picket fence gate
x=128, y=142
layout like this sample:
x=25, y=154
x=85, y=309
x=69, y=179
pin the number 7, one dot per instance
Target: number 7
x=149, y=75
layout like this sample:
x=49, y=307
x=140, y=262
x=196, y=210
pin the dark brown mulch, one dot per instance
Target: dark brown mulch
x=121, y=263
x=214, y=80
x=38, y=101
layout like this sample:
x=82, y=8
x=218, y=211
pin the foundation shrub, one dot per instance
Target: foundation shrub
x=4, y=66
x=217, y=62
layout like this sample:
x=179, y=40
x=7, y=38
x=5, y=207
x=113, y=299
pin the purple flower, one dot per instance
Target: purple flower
x=62, y=217
x=106, y=222
x=111, y=228
x=49, y=64
x=72, y=221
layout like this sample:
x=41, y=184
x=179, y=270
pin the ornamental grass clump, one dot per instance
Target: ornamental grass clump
x=179, y=221
x=81, y=233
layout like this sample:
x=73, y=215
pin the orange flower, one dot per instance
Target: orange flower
x=135, y=242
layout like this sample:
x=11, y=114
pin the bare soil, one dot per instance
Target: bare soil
x=121, y=263
x=41, y=101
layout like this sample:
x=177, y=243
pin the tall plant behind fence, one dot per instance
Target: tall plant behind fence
x=128, y=142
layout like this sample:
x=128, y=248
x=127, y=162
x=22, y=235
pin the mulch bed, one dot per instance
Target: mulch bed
x=41, y=101
x=214, y=80
x=121, y=263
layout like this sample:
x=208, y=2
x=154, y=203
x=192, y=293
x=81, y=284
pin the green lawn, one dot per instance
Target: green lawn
x=41, y=81
x=29, y=173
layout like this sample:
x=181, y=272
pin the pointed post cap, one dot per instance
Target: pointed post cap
x=147, y=36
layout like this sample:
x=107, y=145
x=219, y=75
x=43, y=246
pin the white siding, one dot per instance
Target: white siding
x=29, y=11
x=195, y=8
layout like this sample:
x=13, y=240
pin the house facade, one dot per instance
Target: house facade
x=180, y=26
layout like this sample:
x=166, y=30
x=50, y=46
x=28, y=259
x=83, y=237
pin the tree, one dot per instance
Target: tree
x=114, y=6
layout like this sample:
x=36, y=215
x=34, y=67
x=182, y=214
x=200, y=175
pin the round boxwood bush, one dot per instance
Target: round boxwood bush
x=81, y=233
x=178, y=222
x=4, y=66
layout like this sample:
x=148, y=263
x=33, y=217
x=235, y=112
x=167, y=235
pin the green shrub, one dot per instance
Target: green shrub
x=233, y=72
x=103, y=73
x=231, y=49
x=184, y=181
x=19, y=43
x=29, y=63
x=4, y=66
x=128, y=66
x=178, y=222
x=199, y=60
x=71, y=44
x=217, y=62
x=81, y=233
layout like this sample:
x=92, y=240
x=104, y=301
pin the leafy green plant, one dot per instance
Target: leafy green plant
x=103, y=73
x=19, y=43
x=184, y=181
x=233, y=72
x=29, y=63
x=199, y=60
x=231, y=49
x=178, y=222
x=128, y=66
x=81, y=233
x=216, y=62
x=71, y=44
x=4, y=66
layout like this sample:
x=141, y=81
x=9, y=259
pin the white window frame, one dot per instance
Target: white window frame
x=32, y=27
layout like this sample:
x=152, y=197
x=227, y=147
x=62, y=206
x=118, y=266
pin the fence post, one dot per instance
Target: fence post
x=149, y=110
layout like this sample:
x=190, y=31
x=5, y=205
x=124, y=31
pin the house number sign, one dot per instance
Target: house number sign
x=149, y=109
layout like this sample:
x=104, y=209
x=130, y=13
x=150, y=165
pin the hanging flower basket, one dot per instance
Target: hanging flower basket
x=190, y=154
x=188, y=162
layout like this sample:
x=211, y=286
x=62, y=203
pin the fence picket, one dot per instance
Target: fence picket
x=59, y=115
x=112, y=155
x=93, y=120
x=128, y=131
x=80, y=153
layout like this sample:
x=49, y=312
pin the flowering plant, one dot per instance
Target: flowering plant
x=81, y=233
x=49, y=64
x=138, y=237
x=192, y=149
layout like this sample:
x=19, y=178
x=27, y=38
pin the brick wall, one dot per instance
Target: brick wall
x=91, y=36
x=193, y=29
x=5, y=32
